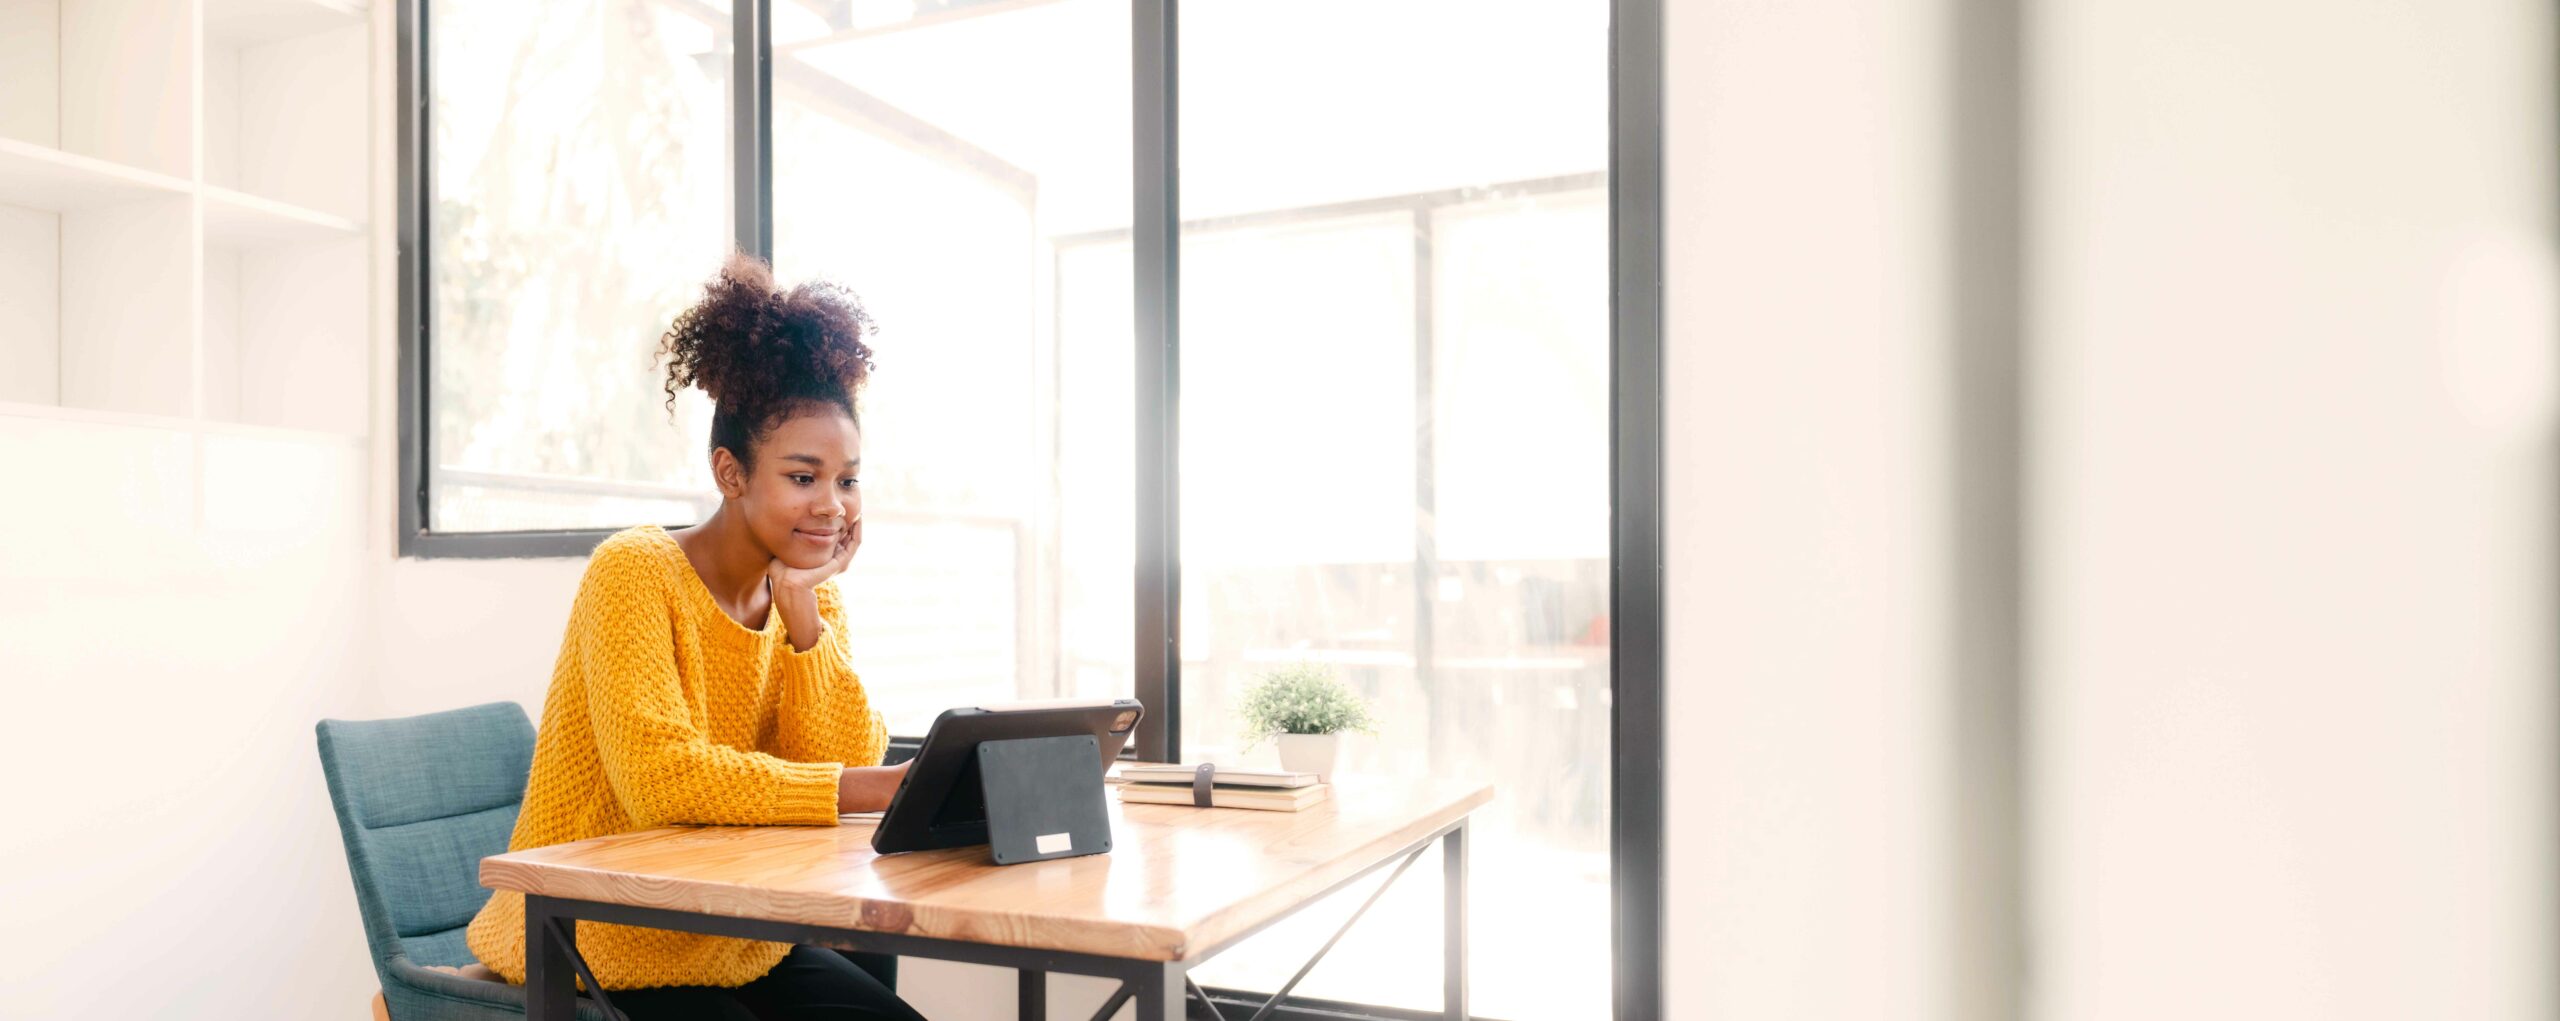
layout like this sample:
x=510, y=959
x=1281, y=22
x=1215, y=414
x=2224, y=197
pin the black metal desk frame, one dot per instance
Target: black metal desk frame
x=1159, y=987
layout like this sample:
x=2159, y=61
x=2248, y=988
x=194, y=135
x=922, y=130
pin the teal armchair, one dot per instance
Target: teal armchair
x=420, y=801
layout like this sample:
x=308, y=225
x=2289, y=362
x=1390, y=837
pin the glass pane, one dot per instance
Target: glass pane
x=1395, y=449
x=980, y=225
x=581, y=196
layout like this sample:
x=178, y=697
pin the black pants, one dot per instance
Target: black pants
x=812, y=984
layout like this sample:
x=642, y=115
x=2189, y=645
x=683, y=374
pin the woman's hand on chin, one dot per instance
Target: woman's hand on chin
x=795, y=589
x=807, y=579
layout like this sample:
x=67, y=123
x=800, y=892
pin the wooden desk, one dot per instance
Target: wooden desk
x=1180, y=885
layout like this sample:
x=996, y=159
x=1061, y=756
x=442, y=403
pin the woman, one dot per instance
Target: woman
x=705, y=676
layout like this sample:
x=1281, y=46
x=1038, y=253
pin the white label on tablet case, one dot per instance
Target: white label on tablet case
x=1051, y=843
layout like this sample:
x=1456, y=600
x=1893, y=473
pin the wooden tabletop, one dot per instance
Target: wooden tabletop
x=1177, y=880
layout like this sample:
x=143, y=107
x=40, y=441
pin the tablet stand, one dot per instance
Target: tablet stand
x=1044, y=798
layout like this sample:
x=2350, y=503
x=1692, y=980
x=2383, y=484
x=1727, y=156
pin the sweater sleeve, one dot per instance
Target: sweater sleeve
x=661, y=766
x=825, y=713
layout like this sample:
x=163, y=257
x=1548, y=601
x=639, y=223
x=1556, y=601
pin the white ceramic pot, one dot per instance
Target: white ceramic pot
x=1310, y=753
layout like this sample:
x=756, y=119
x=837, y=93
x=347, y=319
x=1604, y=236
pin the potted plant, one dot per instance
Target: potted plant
x=1306, y=709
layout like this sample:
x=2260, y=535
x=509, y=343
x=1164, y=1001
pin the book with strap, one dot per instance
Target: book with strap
x=1208, y=789
x=1150, y=773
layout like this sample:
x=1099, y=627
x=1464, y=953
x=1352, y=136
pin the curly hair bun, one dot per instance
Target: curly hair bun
x=759, y=351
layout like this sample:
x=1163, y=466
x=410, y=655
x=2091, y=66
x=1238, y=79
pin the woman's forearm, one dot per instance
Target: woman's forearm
x=801, y=624
x=868, y=788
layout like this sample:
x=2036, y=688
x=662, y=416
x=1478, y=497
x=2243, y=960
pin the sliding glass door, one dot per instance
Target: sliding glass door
x=1394, y=426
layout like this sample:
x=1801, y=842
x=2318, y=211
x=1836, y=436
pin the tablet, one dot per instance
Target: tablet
x=941, y=802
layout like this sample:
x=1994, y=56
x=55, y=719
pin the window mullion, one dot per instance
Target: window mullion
x=751, y=123
x=1156, y=227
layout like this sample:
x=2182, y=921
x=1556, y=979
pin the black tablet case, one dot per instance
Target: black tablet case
x=1044, y=798
x=941, y=802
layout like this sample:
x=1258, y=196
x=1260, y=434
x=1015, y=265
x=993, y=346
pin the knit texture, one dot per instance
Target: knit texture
x=664, y=711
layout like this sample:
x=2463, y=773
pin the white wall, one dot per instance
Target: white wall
x=461, y=632
x=176, y=610
x=1805, y=458
x=2289, y=451
x=2293, y=431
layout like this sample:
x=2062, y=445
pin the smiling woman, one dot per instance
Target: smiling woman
x=781, y=368
x=705, y=677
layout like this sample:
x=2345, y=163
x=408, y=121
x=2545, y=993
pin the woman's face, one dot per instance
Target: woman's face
x=804, y=491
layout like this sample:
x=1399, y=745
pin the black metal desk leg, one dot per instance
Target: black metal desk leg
x=1453, y=913
x=1161, y=991
x=1032, y=998
x=550, y=987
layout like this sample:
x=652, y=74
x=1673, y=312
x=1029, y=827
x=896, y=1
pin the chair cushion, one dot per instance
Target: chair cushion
x=447, y=948
x=420, y=992
x=474, y=972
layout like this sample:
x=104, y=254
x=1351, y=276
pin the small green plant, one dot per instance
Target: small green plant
x=1303, y=699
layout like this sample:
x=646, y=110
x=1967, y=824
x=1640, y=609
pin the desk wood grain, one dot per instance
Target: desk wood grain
x=1178, y=879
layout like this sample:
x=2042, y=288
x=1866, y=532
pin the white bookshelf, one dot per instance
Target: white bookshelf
x=239, y=220
x=183, y=185
x=242, y=22
x=41, y=177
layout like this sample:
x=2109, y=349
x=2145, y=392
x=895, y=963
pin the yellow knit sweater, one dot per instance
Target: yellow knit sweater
x=664, y=711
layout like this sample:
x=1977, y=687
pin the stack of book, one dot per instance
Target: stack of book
x=1270, y=790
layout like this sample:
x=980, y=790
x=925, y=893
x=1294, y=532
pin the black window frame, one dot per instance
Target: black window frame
x=1635, y=408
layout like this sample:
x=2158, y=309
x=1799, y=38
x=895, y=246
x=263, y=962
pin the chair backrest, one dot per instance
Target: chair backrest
x=420, y=801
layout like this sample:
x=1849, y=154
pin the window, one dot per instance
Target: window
x=1395, y=446
x=573, y=146
x=997, y=439
x=1395, y=348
